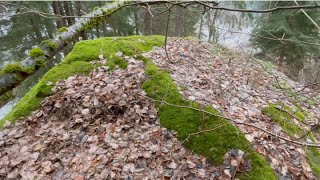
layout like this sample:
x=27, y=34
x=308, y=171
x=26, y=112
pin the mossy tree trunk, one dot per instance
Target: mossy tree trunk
x=78, y=6
x=13, y=74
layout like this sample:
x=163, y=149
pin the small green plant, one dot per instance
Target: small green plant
x=36, y=52
x=28, y=69
x=62, y=29
x=266, y=65
x=282, y=85
x=95, y=8
x=40, y=62
x=49, y=43
x=10, y=68
x=6, y=96
x=104, y=12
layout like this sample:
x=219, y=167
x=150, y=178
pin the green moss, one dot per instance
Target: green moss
x=282, y=85
x=16, y=68
x=88, y=49
x=212, y=144
x=283, y=118
x=114, y=61
x=104, y=12
x=78, y=62
x=10, y=68
x=313, y=156
x=36, y=52
x=6, y=96
x=266, y=65
x=95, y=8
x=49, y=43
x=285, y=121
x=40, y=62
x=28, y=70
x=62, y=29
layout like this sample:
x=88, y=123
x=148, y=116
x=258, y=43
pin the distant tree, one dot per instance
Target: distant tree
x=293, y=25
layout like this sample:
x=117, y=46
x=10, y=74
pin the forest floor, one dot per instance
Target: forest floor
x=116, y=124
x=260, y=100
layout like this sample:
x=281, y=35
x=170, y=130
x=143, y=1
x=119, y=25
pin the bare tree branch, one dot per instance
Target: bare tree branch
x=260, y=11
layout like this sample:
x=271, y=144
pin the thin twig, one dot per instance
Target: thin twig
x=167, y=29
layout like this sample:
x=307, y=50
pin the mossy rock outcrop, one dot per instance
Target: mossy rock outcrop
x=212, y=144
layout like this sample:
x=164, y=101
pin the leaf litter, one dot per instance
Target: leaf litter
x=239, y=86
x=100, y=126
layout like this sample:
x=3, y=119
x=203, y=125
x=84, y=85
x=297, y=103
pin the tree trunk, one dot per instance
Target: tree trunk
x=103, y=24
x=78, y=5
x=183, y=23
x=56, y=10
x=211, y=26
x=36, y=29
x=70, y=4
x=148, y=22
x=98, y=32
x=136, y=21
x=67, y=12
x=62, y=13
x=178, y=19
x=49, y=28
x=200, y=28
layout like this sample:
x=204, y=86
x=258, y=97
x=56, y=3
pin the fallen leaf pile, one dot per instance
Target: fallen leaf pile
x=100, y=126
x=240, y=87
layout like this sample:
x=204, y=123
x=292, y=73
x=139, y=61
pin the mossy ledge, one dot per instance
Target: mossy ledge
x=282, y=117
x=214, y=144
x=78, y=62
